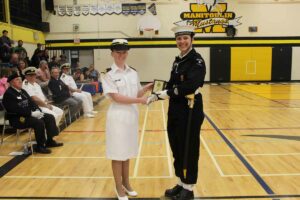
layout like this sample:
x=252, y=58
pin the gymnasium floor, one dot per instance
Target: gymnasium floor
x=249, y=150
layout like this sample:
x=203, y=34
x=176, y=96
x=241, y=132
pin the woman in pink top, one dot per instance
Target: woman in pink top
x=43, y=74
x=3, y=81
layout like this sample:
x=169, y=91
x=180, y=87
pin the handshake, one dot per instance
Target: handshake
x=157, y=95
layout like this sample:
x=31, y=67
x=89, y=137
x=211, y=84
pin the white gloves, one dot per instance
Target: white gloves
x=162, y=94
x=37, y=114
x=158, y=95
x=152, y=98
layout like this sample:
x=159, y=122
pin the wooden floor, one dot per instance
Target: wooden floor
x=250, y=149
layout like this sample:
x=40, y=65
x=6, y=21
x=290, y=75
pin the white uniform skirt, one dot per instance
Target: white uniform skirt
x=122, y=132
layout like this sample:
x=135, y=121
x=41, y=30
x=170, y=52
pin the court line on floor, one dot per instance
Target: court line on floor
x=153, y=198
x=12, y=163
x=137, y=162
x=246, y=163
x=259, y=154
x=257, y=95
x=263, y=175
x=167, y=141
x=81, y=177
x=211, y=156
x=262, y=128
x=85, y=157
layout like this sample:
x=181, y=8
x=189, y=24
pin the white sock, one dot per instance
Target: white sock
x=188, y=186
x=179, y=182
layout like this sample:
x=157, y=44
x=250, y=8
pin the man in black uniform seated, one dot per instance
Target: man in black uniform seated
x=62, y=94
x=22, y=113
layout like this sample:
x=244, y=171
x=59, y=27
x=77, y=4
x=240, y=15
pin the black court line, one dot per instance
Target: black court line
x=208, y=197
x=9, y=165
x=242, y=159
x=262, y=128
x=272, y=100
x=230, y=91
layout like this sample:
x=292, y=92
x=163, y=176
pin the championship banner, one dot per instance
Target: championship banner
x=85, y=9
x=152, y=9
x=93, y=9
x=133, y=9
x=69, y=10
x=109, y=9
x=61, y=10
x=101, y=9
x=105, y=8
x=209, y=17
x=77, y=10
x=118, y=8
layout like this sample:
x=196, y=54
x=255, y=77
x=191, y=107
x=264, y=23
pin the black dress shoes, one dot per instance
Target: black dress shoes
x=173, y=191
x=184, y=195
x=42, y=150
x=53, y=143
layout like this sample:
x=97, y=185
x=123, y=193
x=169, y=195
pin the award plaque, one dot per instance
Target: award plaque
x=159, y=85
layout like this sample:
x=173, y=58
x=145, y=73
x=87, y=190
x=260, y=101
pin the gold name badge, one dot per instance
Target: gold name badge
x=22, y=120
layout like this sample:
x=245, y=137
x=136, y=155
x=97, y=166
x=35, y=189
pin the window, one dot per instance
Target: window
x=27, y=13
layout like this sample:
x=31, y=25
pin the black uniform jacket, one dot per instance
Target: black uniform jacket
x=59, y=90
x=18, y=106
x=187, y=75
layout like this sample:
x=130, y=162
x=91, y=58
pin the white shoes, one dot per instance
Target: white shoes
x=121, y=198
x=130, y=193
x=94, y=112
x=89, y=115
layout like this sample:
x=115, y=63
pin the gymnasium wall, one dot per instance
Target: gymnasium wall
x=249, y=56
x=154, y=63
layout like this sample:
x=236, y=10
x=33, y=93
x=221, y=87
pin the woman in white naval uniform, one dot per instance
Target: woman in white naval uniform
x=35, y=92
x=85, y=97
x=121, y=84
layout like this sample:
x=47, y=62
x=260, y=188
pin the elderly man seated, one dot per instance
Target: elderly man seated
x=22, y=113
x=35, y=92
x=85, y=97
x=62, y=94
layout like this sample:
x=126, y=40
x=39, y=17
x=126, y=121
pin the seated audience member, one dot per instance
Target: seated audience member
x=53, y=63
x=3, y=81
x=78, y=75
x=20, y=50
x=35, y=92
x=22, y=113
x=63, y=59
x=85, y=97
x=14, y=60
x=93, y=73
x=21, y=66
x=5, y=46
x=62, y=94
x=43, y=74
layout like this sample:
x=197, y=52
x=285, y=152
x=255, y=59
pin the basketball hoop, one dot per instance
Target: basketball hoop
x=148, y=26
x=147, y=32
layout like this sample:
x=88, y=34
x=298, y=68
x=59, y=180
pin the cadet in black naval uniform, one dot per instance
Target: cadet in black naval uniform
x=22, y=113
x=187, y=76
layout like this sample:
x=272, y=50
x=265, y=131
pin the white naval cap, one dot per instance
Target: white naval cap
x=29, y=70
x=183, y=30
x=119, y=44
x=65, y=65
